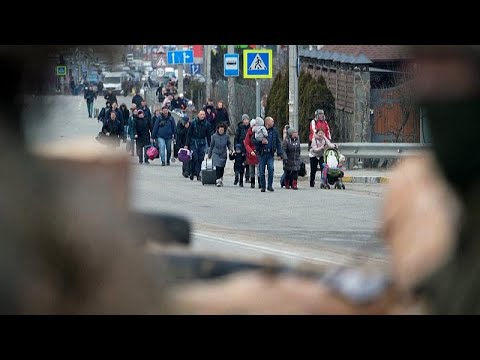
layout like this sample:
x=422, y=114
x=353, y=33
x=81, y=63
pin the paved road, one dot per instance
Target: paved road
x=308, y=225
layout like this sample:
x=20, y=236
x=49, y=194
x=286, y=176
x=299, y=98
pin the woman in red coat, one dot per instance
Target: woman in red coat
x=252, y=158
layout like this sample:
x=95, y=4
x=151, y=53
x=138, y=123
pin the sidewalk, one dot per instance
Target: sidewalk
x=359, y=176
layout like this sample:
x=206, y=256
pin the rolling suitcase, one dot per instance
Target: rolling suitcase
x=209, y=176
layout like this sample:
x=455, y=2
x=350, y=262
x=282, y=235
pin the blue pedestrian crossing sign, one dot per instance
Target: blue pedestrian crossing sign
x=257, y=64
x=61, y=70
x=231, y=65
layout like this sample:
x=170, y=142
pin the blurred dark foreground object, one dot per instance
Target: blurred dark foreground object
x=448, y=88
x=150, y=227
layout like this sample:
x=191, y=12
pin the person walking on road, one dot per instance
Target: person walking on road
x=164, y=133
x=137, y=99
x=319, y=122
x=198, y=137
x=110, y=96
x=142, y=131
x=180, y=139
x=218, y=151
x=319, y=144
x=291, y=159
x=252, y=158
x=90, y=96
x=267, y=149
x=240, y=134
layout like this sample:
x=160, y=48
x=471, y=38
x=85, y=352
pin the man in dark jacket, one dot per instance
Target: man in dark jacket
x=146, y=110
x=142, y=134
x=102, y=116
x=267, y=148
x=198, y=136
x=137, y=99
x=112, y=131
x=164, y=133
x=240, y=133
x=119, y=113
x=90, y=96
x=109, y=96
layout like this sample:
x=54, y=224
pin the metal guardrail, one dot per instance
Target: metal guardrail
x=377, y=150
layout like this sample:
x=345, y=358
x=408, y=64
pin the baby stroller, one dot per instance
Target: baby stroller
x=331, y=175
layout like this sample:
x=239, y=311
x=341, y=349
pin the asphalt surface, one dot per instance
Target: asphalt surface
x=304, y=226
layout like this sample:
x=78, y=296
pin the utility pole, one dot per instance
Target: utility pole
x=208, y=60
x=293, y=86
x=257, y=97
x=232, y=106
x=180, y=78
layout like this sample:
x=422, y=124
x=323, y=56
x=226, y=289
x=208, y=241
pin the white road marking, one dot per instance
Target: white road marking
x=266, y=249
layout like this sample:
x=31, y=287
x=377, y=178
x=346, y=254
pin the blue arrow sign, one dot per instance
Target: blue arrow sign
x=180, y=57
x=195, y=69
x=231, y=65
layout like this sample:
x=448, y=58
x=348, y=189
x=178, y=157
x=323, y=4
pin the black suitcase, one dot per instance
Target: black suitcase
x=209, y=176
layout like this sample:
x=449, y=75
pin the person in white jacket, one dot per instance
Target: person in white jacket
x=319, y=143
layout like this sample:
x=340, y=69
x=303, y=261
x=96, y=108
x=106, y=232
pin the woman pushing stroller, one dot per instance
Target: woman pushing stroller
x=319, y=143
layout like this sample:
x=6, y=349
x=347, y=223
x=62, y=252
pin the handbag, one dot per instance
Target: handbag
x=303, y=171
x=152, y=152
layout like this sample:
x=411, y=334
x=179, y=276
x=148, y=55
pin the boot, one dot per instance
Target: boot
x=312, y=183
x=241, y=181
x=287, y=184
x=252, y=182
x=236, y=179
x=294, y=185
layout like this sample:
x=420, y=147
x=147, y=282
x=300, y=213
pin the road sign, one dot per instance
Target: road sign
x=257, y=64
x=161, y=61
x=231, y=65
x=195, y=69
x=160, y=72
x=180, y=57
x=61, y=70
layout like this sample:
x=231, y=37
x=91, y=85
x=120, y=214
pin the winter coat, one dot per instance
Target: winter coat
x=291, y=151
x=197, y=133
x=131, y=126
x=319, y=124
x=137, y=100
x=90, y=95
x=249, y=147
x=318, y=146
x=164, y=127
x=114, y=130
x=222, y=117
x=218, y=149
x=240, y=134
x=142, y=129
x=181, y=134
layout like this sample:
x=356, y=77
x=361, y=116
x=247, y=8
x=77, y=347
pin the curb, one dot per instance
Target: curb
x=366, y=179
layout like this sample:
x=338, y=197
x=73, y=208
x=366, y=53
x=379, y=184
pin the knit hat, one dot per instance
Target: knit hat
x=259, y=121
x=319, y=112
x=290, y=131
x=252, y=123
x=238, y=147
x=245, y=116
